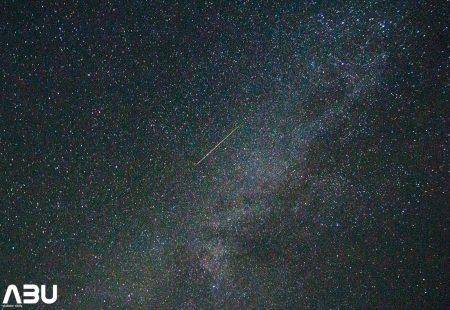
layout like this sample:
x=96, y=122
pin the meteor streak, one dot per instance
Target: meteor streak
x=217, y=145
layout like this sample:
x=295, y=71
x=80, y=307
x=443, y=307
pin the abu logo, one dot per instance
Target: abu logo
x=30, y=294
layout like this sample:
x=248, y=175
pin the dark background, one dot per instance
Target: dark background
x=333, y=192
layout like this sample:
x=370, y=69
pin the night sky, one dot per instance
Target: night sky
x=331, y=192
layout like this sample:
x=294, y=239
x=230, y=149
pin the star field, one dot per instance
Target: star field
x=331, y=193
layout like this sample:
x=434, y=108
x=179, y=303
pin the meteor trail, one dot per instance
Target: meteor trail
x=217, y=145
